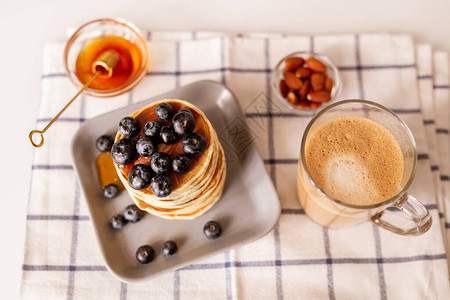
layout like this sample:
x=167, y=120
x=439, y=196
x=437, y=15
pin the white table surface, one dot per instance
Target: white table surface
x=27, y=25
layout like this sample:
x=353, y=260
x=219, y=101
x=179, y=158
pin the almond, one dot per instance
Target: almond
x=304, y=90
x=292, y=81
x=320, y=96
x=316, y=65
x=314, y=105
x=328, y=84
x=303, y=104
x=303, y=72
x=293, y=63
x=318, y=81
x=283, y=88
x=292, y=97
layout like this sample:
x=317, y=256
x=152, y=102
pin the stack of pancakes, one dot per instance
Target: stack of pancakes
x=194, y=192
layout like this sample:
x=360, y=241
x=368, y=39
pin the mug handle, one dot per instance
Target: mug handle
x=414, y=210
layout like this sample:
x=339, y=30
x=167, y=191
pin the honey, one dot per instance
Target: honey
x=128, y=67
x=106, y=171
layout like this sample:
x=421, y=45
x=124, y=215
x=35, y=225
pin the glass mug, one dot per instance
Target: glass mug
x=402, y=213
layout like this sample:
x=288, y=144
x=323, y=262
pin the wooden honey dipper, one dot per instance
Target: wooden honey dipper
x=103, y=65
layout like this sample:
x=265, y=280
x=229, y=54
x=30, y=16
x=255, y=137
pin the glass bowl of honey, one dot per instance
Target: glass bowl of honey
x=94, y=38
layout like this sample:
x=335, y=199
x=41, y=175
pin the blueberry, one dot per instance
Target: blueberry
x=129, y=127
x=139, y=176
x=194, y=144
x=212, y=230
x=161, y=185
x=152, y=129
x=145, y=254
x=117, y=221
x=123, y=152
x=168, y=135
x=104, y=143
x=160, y=162
x=183, y=123
x=132, y=213
x=110, y=191
x=164, y=111
x=186, y=110
x=181, y=164
x=146, y=146
x=169, y=248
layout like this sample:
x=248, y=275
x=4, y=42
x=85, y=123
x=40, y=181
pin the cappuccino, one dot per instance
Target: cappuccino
x=354, y=160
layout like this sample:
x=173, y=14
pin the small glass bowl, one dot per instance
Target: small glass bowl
x=332, y=72
x=99, y=28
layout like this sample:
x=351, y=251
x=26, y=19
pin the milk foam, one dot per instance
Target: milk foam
x=355, y=160
x=346, y=177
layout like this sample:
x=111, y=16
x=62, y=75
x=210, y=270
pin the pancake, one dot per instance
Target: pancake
x=193, y=193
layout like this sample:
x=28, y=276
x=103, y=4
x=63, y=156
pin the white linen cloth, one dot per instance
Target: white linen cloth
x=297, y=259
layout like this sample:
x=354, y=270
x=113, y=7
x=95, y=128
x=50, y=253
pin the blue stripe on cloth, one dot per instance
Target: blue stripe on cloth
x=284, y=211
x=292, y=115
x=75, y=225
x=444, y=178
x=442, y=130
x=228, y=286
x=57, y=217
x=358, y=65
x=123, y=291
x=61, y=119
x=329, y=262
x=270, y=136
x=52, y=167
x=421, y=77
x=274, y=161
x=177, y=64
x=381, y=280
x=422, y=156
x=222, y=60
x=250, y=70
x=255, y=264
x=428, y=122
x=72, y=268
x=441, y=86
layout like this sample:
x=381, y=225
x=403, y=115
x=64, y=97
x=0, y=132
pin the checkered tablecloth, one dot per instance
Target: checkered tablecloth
x=297, y=259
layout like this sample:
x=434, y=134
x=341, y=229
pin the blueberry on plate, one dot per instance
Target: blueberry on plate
x=132, y=213
x=104, y=143
x=117, y=221
x=129, y=127
x=152, y=129
x=145, y=254
x=160, y=162
x=212, y=230
x=169, y=248
x=183, y=123
x=168, y=135
x=164, y=111
x=110, y=191
x=181, y=164
x=194, y=144
x=161, y=185
x=123, y=152
x=139, y=176
x=146, y=146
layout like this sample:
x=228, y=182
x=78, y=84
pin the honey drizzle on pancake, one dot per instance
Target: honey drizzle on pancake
x=106, y=172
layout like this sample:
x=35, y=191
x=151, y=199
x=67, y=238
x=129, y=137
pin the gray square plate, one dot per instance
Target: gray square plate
x=248, y=209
